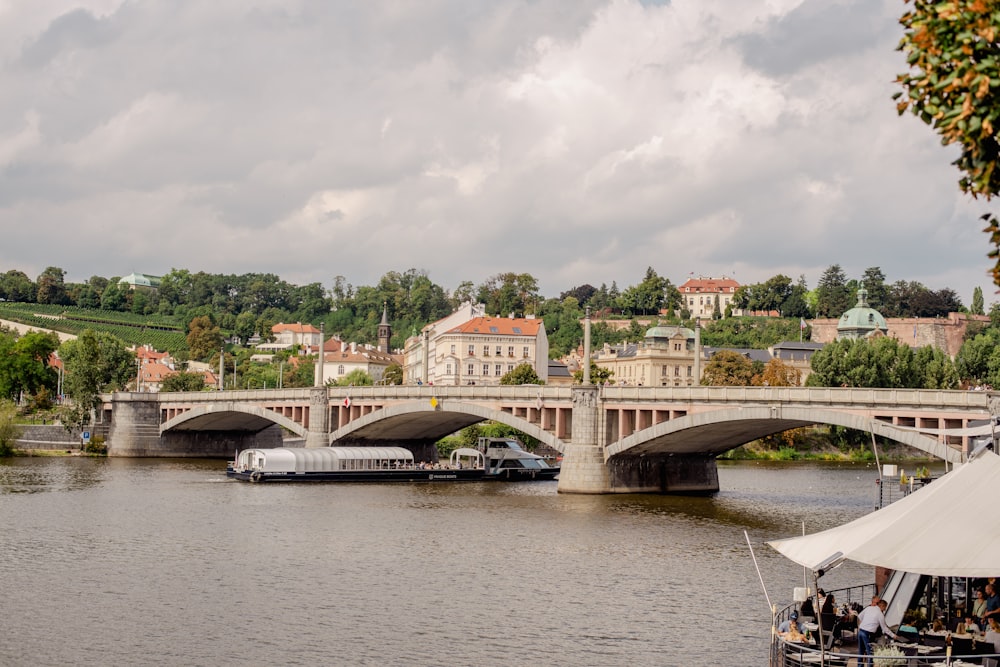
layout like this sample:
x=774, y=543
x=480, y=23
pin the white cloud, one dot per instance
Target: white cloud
x=579, y=142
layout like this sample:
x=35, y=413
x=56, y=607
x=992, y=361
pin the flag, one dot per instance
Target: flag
x=802, y=323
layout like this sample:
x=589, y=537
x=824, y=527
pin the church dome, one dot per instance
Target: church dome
x=862, y=320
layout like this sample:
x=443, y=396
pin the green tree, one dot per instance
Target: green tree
x=10, y=431
x=728, y=368
x=51, y=286
x=17, y=286
x=24, y=363
x=356, y=378
x=393, y=374
x=832, y=294
x=96, y=362
x=977, y=302
x=953, y=85
x=598, y=374
x=204, y=337
x=183, y=381
x=521, y=374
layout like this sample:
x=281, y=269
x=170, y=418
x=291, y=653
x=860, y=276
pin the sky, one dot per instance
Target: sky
x=580, y=142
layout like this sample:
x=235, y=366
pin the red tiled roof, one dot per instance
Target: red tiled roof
x=500, y=326
x=702, y=285
x=298, y=327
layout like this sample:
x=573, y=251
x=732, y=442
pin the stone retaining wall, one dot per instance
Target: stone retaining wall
x=47, y=436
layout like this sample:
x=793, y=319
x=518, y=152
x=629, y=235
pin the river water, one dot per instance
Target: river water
x=166, y=562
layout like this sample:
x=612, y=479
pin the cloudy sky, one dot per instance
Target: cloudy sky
x=580, y=141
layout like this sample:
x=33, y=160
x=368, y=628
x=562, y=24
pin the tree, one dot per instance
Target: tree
x=598, y=374
x=521, y=374
x=9, y=429
x=832, y=295
x=203, y=338
x=356, y=378
x=874, y=281
x=393, y=374
x=728, y=368
x=95, y=362
x=183, y=381
x=977, y=302
x=51, y=286
x=778, y=374
x=24, y=363
x=17, y=286
x=953, y=85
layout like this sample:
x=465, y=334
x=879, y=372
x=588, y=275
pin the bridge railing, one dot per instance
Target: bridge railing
x=924, y=399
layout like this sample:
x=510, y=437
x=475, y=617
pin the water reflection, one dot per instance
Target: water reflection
x=191, y=568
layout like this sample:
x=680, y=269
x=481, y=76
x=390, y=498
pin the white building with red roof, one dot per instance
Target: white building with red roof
x=469, y=348
x=296, y=334
x=700, y=295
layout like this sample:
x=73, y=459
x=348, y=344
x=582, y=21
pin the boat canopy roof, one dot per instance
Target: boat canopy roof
x=318, y=459
x=467, y=453
x=937, y=530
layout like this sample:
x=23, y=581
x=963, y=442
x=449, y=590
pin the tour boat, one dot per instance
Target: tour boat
x=500, y=459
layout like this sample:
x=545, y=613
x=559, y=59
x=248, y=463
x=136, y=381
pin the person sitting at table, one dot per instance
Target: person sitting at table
x=937, y=625
x=993, y=634
x=791, y=627
x=870, y=620
x=807, y=609
x=833, y=622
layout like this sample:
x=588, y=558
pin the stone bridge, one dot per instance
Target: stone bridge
x=614, y=439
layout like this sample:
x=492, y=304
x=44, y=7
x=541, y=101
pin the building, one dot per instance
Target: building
x=349, y=357
x=797, y=355
x=140, y=281
x=862, y=321
x=293, y=336
x=664, y=358
x=944, y=333
x=469, y=348
x=700, y=296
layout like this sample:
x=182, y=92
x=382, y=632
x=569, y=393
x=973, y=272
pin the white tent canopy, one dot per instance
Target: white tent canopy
x=944, y=529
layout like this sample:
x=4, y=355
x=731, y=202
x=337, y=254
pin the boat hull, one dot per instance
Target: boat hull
x=408, y=475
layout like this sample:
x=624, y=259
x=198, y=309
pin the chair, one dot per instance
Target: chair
x=961, y=646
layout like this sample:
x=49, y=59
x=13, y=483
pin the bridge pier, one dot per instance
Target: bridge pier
x=318, y=434
x=664, y=473
x=583, y=468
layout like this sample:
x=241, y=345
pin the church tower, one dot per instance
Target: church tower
x=384, y=331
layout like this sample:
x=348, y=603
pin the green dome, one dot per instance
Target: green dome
x=861, y=320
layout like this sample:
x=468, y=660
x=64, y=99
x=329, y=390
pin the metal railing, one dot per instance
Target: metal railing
x=792, y=654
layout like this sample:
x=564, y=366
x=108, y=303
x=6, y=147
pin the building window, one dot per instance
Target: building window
x=472, y=369
x=677, y=371
x=498, y=370
x=499, y=350
x=677, y=347
x=447, y=369
x=340, y=369
x=472, y=350
x=453, y=348
x=486, y=350
x=510, y=351
x=524, y=352
x=486, y=369
x=663, y=370
x=689, y=371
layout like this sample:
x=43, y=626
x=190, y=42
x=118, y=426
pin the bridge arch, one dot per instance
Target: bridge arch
x=418, y=421
x=718, y=431
x=230, y=417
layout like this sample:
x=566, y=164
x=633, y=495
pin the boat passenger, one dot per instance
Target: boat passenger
x=979, y=605
x=791, y=629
